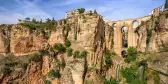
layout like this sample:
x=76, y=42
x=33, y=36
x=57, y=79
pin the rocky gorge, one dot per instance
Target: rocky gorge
x=80, y=50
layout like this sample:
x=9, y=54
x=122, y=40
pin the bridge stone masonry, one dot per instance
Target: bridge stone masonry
x=124, y=31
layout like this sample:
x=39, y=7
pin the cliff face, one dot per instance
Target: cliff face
x=5, y=38
x=23, y=41
x=87, y=31
x=159, y=34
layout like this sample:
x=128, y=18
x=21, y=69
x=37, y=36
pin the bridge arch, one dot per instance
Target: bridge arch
x=135, y=24
x=124, y=32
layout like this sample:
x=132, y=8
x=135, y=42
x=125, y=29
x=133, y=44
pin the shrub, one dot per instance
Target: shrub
x=11, y=64
x=83, y=54
x=149, y=34
x=6, y=70
x=54, y=73
x=47, y=82
x=110, y=82
x=131, y=54
x=62, y=65
x=95, y=12
x=24, y=66
x=35, y=58
x=68, y=27
x=156, y=78
x=143, y=63
x=108, y=59
x=59, y=47
x=90, y=13
x=67, y=43
x=69, y=52
x=81, y=10
x=43, y=52
x=131, y=75
x=76, y=54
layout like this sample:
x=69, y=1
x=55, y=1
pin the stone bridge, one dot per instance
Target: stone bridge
x=124, y=30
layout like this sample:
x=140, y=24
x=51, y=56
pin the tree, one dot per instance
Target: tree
x=27, y=19
x=95, y=12
x=69, y=52
x=48, y=20
x=41, y=21
x=59, y=47
x=81, y=10
x=34, y=20
x=67, y=43
x=76, y=54
x=131, y=55
x=53, y=21
x=166, y=4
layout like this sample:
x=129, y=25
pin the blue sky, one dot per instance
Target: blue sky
x=12, y=10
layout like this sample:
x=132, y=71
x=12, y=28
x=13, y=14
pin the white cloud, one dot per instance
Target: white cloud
x=27, y=9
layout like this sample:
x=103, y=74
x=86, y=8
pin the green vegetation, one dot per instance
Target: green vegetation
x=166, y=4
x=76, y=54
x=83, y=54
x=143, y=63
x=62, y=65
x=156, y=78
x=110, y=82
x=131, y=55
x=90, y=13
x=131, y=75
x=54, y=74
x=67, y=43
x=95, y=12
x=69, y=52
x=35, y=58
x=39, y=25
x=108, y=59
x=81, y=10
x=11, y=64
x=166, y=14
x=6, y=70
x=24, y=66
x=44, y=52
x=68, y=28
x=59, y=47
x=149, y=34
x=164, y=48
x=47, y=82
x=75, y=34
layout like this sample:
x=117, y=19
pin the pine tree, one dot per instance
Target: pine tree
x=41, y=21
x=166, y=4
x=48, y=20
x=53, y=21
x=27, y=19
x=34, y=20
x=95, y=12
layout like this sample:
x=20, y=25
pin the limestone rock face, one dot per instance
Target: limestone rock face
x=74, y=71
x=160, y=63
x=24, y=42
x=33, y=74
x=45, y=65
x=4, y=38
x=88, y=32
x=141, y=42
x=159, y=38
x=109, y=36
